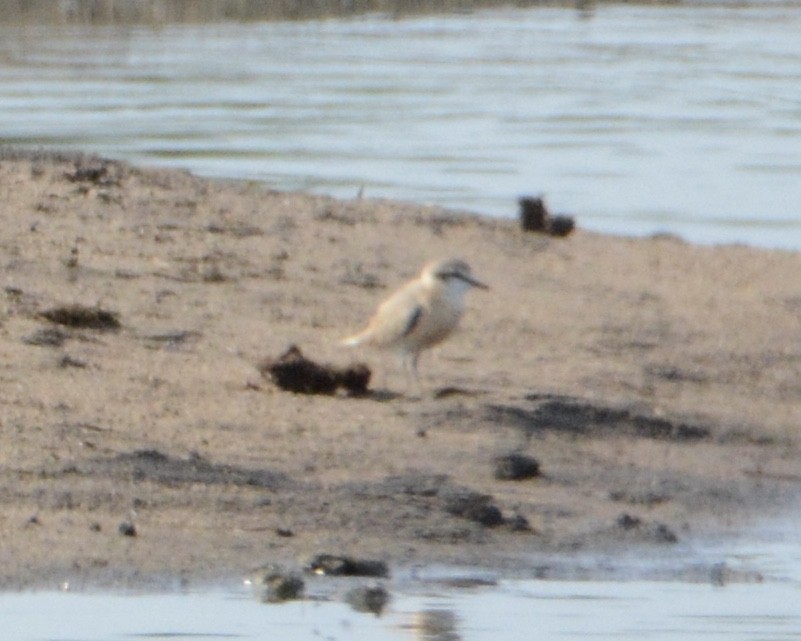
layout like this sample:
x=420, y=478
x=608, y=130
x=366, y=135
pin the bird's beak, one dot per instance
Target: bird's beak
x=476, y=283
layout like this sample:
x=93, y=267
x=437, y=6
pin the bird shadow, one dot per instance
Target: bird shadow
x=378, y=395
x=387, y=395
x=452, y=390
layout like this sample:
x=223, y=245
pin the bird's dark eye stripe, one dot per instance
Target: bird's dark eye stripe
x=446, y=275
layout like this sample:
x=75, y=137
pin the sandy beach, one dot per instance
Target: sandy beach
x=656, y=384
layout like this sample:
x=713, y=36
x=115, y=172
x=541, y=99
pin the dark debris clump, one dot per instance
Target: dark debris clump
x=293, y=372
x=80, y=316
x=336, y=565
x=535, y=217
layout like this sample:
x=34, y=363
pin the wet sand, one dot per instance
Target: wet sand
x=656, y=383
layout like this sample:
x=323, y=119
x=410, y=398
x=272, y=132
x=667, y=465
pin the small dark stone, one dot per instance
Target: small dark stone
x=368, y=599
x=333, y=565
x=95, y=527
x=126, y=528
x=471, y=505
x=275, y=584
x=628, y=522
x=284, y=532
x=533, y=213
x=279, y=587
x=663, y=534
x=516, y=467
x=519, y=523
x=535, y=217
x=488, y=516
x=560, y=225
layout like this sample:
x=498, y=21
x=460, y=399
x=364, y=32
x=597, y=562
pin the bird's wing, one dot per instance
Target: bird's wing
x=396, y=317
x=413, y=320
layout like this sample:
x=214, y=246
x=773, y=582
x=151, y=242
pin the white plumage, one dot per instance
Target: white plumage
x=422, y=313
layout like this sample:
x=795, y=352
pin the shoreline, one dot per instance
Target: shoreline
x=656, y=383
x=159, y=13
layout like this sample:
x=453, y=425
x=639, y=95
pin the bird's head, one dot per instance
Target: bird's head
x=451, y=273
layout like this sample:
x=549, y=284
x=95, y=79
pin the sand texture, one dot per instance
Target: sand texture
x=649, y=388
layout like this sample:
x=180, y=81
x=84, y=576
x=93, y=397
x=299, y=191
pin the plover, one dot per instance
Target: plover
x=422, y=313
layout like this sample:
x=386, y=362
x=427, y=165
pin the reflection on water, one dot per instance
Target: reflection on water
x=435, y=625
x=511, y=611
x=426, y=605
x=636, y=118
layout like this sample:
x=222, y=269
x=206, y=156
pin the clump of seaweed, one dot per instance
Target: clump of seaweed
x=293, y=372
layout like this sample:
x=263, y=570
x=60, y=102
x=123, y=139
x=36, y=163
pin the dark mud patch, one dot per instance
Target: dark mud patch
x=66, y=361
x=636, y=528
x=157, y=467
x=582, y=418
x=471, y=505
x=47, y=337
x=81, y=317
x=357, y=276
x=171, y=340
x=97, y=171
x=674, y=374
x=421, y=485
x=427, y=494
x=646, y=498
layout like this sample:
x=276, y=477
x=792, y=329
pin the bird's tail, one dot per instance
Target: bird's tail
x=354, y=341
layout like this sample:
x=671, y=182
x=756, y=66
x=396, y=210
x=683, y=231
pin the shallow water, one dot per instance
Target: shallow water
x=425, y=606
x=522, y=610
x=637, y=119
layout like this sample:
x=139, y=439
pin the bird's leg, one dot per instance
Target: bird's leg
x=409, y=365
x=418, y=388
